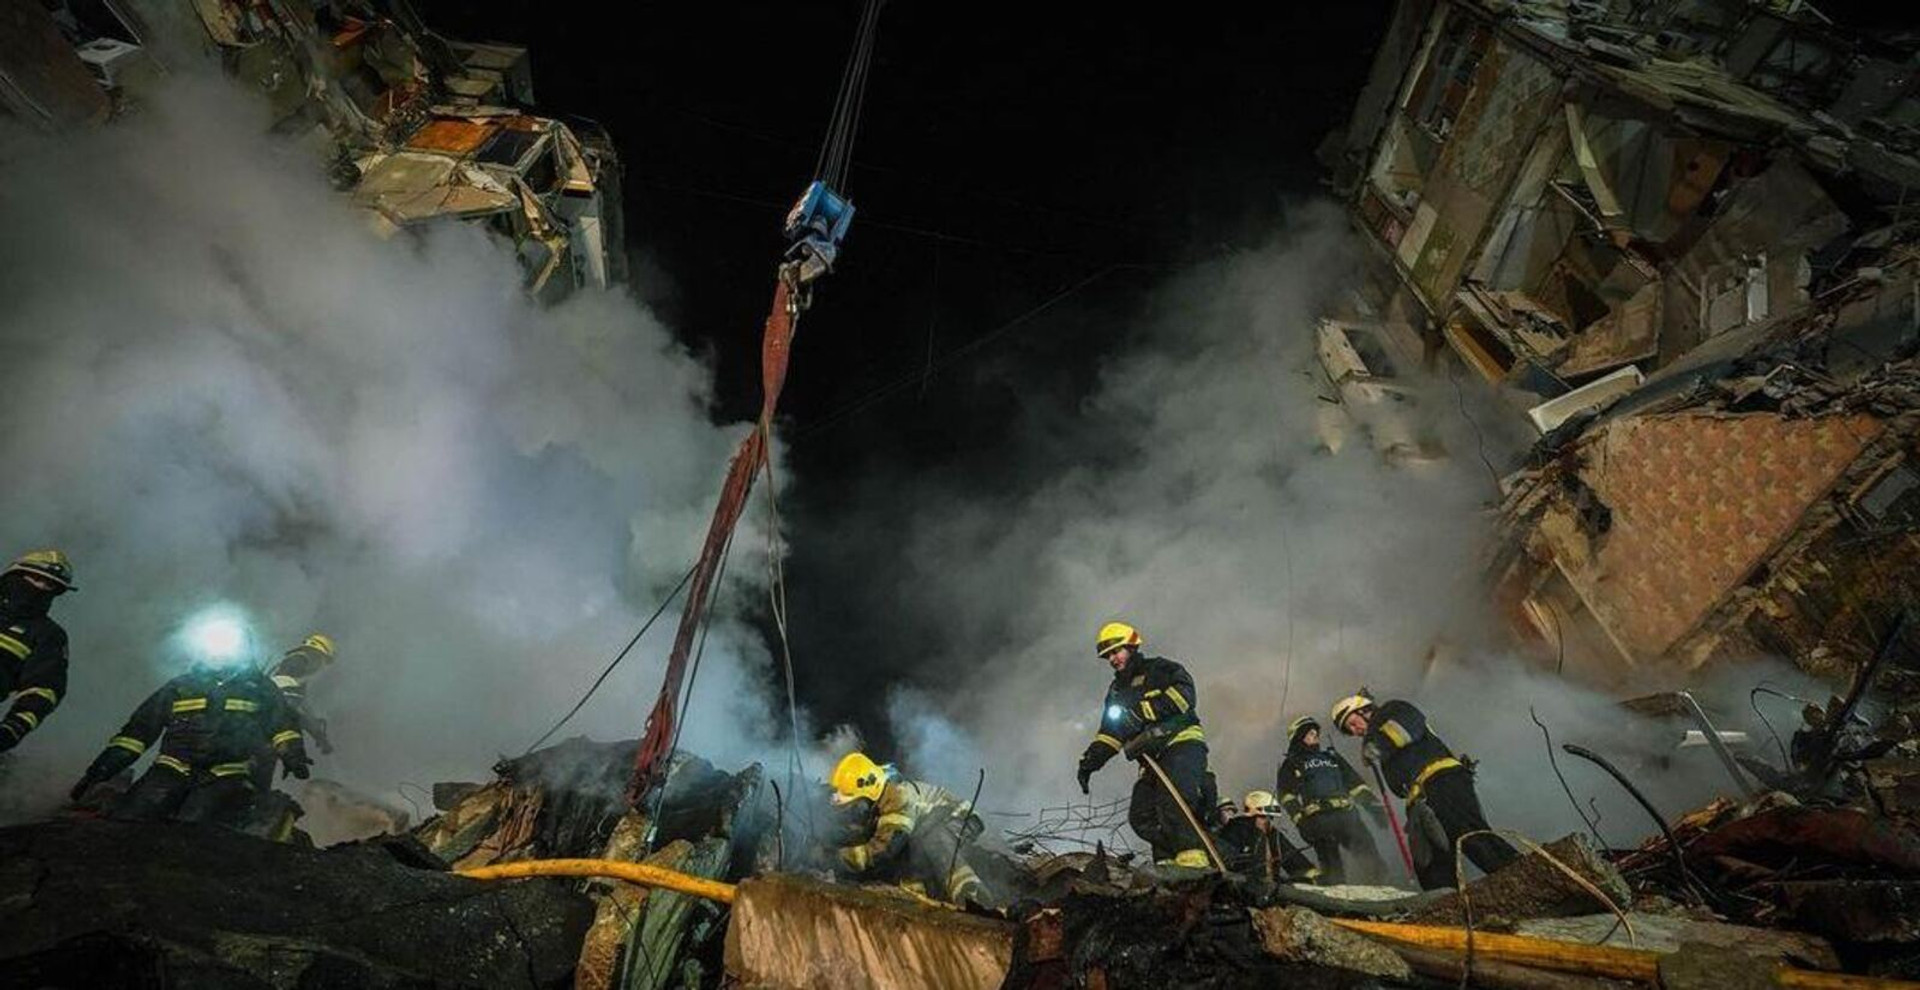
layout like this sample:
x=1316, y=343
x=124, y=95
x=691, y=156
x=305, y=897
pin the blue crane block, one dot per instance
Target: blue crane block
x=815, y=227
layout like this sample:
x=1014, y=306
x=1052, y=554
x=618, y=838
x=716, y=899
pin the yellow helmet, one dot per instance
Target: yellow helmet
x=856, y=777
x=51, y=565
x=1347, y=706
x=1258, y=802
x=319, y=642
x=1115, y=635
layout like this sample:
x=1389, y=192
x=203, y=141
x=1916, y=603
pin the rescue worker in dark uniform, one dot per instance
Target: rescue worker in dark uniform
x=1419, y=767
x=33, y=647
x=1323, y=794
x=210, y=722
x=1253, y=845
x=1150, y=714
x=921, y=836
x=291, y=674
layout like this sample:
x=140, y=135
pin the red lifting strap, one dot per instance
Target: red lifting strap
x=656, y=742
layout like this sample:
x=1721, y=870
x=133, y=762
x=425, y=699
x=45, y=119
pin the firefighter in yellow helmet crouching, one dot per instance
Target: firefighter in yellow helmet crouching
x=912, y=833
x=1150, y=716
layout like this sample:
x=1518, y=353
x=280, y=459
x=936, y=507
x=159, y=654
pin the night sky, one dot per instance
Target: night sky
x=1001, y=160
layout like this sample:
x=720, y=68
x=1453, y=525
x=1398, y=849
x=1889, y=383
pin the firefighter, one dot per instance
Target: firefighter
x=1419, y=767
x=1253, y=845
x=210, y=722
x=1323, y=794
x=33, y=647
x=290, y=674
x=1150, y=715
x=919, y=835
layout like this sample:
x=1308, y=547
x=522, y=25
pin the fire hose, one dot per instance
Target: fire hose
x=640, y=873
x=1205, y=839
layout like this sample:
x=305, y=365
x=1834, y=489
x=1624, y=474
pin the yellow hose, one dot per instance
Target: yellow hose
x=1591, y=960
x=640, y=873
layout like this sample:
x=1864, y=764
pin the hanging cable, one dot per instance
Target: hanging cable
x=836, y=150
x=622, y=655
x=777, y=600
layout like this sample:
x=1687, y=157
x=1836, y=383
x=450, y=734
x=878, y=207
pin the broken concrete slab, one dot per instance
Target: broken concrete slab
x=1301, y=936
x=1489, y=974
x=100, y=903
x=1665, y=933
x=1531, y=887
x=1697, y=966
x=795, y=933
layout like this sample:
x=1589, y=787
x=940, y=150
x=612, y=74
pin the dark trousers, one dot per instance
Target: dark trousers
x=1154, y=814
x=1344, y=847
x=166, y=794
x=1449, y=795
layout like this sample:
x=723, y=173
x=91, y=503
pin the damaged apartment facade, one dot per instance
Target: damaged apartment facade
x=1679, y=236
x=416, y=129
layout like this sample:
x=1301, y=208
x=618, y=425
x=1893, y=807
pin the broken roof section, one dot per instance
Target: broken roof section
x=1571, y=188
x=525, y=178
x=420, y=128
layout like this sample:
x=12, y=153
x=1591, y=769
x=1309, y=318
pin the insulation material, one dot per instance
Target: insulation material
x=794, y=933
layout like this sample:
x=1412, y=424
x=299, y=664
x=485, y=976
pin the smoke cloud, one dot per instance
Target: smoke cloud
x=1191, y=493
x=224, y=388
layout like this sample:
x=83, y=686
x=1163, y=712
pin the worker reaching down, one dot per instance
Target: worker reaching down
x=1419, y=767
x=918, y=835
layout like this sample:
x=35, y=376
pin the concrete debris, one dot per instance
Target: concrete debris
x=417, y=127
x=1301, y=936
x=1533, y=888
x=1666, y=933
x=1700, y=966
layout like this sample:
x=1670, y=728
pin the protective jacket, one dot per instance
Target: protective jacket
x=923, y=837
x=210, y=724
x=905, y=806
x=290, y=675
x=1314, y=779
x=1150, y=707
x=1407, y=751
x=33, y=662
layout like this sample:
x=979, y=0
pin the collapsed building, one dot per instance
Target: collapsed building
x=1675, y=239
x=417, y=129
x=1676, y=236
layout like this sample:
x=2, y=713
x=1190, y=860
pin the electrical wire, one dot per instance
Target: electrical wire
x=947, y=360
x=615, y=662
x=777, y=601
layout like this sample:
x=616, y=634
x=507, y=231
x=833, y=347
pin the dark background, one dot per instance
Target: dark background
x=1005, y=156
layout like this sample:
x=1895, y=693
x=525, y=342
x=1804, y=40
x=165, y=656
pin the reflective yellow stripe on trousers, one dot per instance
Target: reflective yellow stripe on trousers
x=1443, y=763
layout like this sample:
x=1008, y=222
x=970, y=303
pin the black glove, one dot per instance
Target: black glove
x=1096, y=756
x=80, y=789
x=298, y=766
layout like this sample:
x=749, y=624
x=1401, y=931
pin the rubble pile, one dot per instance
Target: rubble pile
x=1772, y=886
x=108, y=904
x=415, y=127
